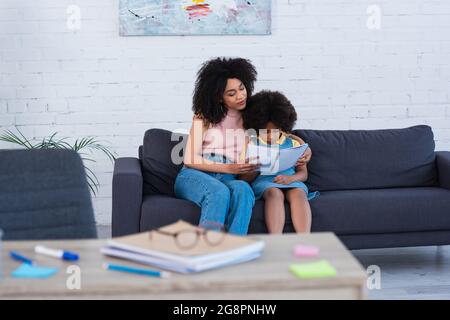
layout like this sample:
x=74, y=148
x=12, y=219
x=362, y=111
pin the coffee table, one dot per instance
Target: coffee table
x=266, y=278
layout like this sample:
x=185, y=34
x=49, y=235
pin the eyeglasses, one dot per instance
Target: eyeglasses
x=212, y=233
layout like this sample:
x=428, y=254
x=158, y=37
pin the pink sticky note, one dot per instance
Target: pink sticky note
x=302, y=250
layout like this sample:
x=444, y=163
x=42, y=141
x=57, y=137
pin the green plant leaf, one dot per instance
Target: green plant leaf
x=26, y=141
x=92, y=174
x=11, y=137
x=93, y=184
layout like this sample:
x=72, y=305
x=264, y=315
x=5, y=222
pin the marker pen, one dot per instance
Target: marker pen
x=61, y=254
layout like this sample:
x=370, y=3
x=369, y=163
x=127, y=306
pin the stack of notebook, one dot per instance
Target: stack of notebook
x=161, y=250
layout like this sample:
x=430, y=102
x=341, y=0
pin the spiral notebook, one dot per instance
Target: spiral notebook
x=161, y=250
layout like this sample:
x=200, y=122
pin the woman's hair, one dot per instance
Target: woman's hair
x=212, y=81
x=269, y=106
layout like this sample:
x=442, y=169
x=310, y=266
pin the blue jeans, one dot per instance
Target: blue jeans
x=222, y=199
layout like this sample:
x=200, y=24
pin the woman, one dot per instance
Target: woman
x=211, y=169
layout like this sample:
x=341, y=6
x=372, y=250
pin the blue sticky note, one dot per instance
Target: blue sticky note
x=33, y=272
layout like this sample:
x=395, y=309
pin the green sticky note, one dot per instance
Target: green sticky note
x=33, y=272
x=319, y=269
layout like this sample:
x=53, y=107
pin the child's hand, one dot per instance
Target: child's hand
x=283, y=179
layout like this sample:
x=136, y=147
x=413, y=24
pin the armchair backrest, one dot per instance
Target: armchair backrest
x=44, y=195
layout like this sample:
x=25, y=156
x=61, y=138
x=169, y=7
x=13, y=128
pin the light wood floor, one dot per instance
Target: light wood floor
x=406, y=273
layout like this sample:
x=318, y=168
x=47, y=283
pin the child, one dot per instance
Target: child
x=274, y=113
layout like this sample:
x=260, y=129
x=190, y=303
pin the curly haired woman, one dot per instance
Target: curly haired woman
x=212, y=163
x=211, y=166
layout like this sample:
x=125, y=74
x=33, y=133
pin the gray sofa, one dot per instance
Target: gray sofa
x=379, y=188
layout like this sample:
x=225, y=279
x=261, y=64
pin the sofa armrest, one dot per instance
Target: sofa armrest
x=126, y=196
x=443, y=167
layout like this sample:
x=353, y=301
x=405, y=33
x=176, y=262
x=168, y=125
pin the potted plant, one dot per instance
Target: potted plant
x=84, y=146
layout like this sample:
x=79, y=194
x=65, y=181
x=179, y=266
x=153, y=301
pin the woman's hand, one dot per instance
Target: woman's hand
x=250, y=165
x=283, y=179
x=241, y=168
x=305, y=158
x=249, y=177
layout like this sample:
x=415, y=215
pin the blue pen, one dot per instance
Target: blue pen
x=147, y=272
x=17, y=256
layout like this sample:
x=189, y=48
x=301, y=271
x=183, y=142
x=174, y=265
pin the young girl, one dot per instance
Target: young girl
x=273, y=112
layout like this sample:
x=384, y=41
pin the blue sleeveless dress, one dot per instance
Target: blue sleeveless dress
x=263, y=182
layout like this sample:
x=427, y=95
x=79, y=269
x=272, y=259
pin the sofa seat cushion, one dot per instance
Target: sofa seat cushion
x=344, y=212
x=382, y=210
x=367, y=159
x=161, y=210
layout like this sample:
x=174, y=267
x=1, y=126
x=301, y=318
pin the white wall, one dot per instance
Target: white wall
x=338, y=72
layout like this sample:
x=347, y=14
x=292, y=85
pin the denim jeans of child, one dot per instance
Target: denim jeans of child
x=223, y=199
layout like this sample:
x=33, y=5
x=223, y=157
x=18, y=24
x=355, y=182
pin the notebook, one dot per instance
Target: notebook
x=274, y=159
x=161, y=250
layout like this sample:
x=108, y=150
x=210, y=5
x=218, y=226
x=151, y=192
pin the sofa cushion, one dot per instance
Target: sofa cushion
x=365, y=159
x=382, y=210
x=158, y=168
x=346, y=212
x=161, y=210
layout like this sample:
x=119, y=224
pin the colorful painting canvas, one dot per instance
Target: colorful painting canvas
x=194, y=17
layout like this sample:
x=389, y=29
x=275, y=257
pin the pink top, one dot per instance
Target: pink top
x=227, y=137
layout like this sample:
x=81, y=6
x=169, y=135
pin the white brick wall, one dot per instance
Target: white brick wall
x=339, y=74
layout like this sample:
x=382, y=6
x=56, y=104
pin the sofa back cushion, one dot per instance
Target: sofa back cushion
x=161, y=160
x=342, y=160
x=367, y=159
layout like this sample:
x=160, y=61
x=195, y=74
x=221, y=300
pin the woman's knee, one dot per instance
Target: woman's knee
x=218, y=191
x=188, y=177
x=273, y=193
x=194, y=184
x=240, y=187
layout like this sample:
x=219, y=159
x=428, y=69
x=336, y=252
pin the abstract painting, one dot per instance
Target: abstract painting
x=194, y=17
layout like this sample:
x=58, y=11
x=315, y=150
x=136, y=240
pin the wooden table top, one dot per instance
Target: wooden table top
x=267, y=274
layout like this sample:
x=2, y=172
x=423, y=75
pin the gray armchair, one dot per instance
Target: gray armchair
x=44, y=195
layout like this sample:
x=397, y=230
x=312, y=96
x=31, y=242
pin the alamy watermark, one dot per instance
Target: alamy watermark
x=234, y=140
x=373, y=277
x=373, y=17
x=73, y=21
x=73, y=281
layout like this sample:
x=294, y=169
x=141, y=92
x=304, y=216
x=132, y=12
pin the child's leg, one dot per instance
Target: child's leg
x=300, y=210
x=274, y=210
